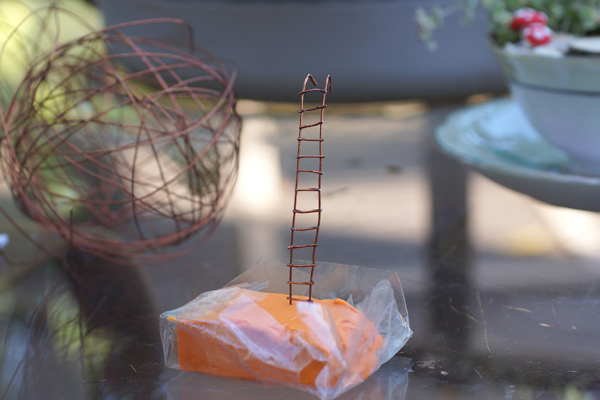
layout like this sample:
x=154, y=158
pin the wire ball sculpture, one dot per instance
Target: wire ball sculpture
x=122, y=145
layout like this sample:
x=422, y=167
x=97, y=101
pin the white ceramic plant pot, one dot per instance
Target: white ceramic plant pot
x=561, y=98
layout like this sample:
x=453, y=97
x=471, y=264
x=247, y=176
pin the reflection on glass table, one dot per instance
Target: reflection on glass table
x=389, y=382
x=73, y=329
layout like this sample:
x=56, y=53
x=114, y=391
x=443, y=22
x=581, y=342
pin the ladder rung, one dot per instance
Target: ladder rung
x=310, y=156
x=302, y=266
x=313, y=90
x=295, y=299
x=303, y=246
x=301, y=139
x=312, y=109
x=308, y=190
x=305, y=229
x=311, y=125
x=300, y=283
x=307, y=211
x=310, y=171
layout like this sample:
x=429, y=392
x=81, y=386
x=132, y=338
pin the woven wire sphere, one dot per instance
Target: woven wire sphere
x=119, y=161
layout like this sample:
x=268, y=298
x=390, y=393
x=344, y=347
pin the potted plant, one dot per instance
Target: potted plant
x=556, y=82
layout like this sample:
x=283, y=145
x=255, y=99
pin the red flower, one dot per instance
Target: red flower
x=537, y=34
x=527, y=16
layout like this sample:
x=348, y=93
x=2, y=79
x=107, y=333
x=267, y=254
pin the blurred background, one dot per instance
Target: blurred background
x=96, y=323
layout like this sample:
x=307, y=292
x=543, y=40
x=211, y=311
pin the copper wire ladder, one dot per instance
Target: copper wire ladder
x=317, y=190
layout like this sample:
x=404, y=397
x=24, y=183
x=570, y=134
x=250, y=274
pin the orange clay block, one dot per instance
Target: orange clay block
x=261, y=336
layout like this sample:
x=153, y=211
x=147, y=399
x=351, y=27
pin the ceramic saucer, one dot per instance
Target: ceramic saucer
x=497, y=140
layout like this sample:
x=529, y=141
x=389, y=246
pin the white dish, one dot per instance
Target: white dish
x=496, y=139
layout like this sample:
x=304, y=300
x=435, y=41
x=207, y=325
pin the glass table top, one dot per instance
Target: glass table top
x=503, y=292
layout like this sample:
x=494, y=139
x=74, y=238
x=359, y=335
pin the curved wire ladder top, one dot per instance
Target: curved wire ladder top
x=317, y=190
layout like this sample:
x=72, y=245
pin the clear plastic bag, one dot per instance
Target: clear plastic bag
x=388, y=383
x=248, y=329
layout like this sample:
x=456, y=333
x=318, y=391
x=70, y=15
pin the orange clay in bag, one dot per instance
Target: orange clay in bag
x=274, y=342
